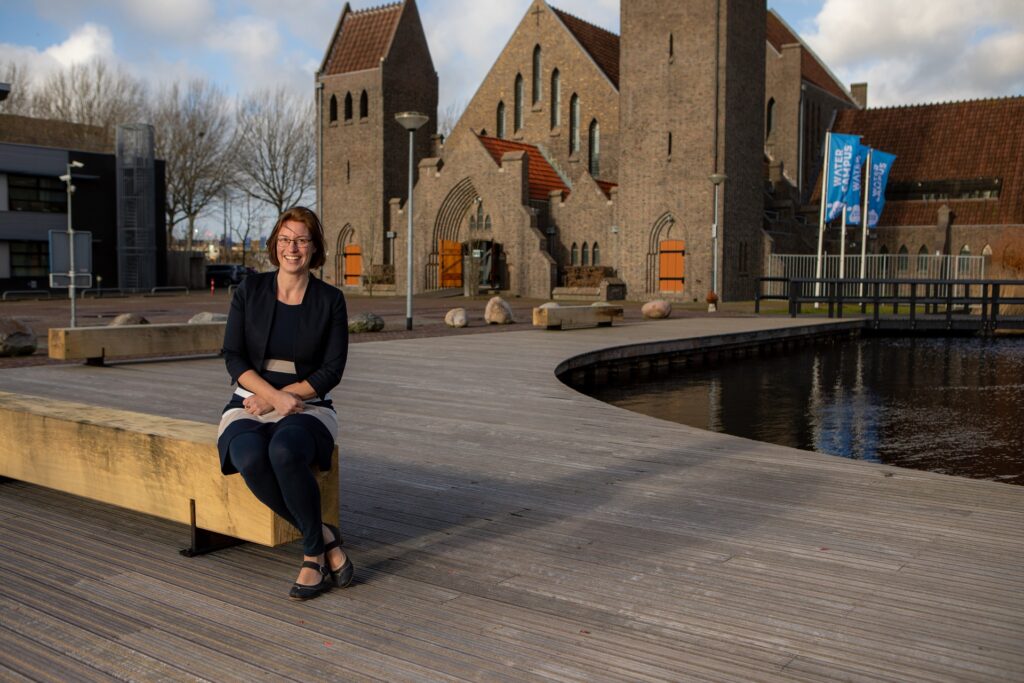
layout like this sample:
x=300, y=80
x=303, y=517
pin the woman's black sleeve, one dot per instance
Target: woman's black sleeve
x=327, y=376
x=234, y=350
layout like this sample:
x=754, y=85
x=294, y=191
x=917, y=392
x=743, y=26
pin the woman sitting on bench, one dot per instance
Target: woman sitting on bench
x=285, y=346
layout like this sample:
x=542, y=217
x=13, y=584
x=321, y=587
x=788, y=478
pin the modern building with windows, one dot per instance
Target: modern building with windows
x=119, y=198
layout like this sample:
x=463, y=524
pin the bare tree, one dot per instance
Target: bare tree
x=194, y=137
x=92, y=93
x=19, y=100
x=275, y=147
x=248, y=222
x=449, y=116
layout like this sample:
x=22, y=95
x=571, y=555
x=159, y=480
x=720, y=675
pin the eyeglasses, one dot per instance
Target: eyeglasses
x=300, y=242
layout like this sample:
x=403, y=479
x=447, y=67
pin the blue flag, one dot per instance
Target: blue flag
x=853, y=196
x=842, y=149
x=881, y=164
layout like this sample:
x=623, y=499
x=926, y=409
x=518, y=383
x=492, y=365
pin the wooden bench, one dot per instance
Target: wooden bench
x=572, y=317
x=161, y=466
x=94, y=344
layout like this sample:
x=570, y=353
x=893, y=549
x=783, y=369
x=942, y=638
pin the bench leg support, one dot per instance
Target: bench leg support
x=205, y=541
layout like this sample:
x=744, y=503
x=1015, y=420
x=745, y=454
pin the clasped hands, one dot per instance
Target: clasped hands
x=284, y=402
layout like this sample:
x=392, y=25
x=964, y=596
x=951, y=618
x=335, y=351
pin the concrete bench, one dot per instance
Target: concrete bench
x=572, y=317
x=161, y=466
x=94, y=344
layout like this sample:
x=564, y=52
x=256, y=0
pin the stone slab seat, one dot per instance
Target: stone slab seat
x=93, y=344
x=161, y=466
x=570, y=317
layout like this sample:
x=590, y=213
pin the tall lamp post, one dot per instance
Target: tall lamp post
x=716, y=179
x=71, y=240
x=411, y=121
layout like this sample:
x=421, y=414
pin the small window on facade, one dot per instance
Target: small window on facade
x=671, y=46
x=922, y=259
x=333, y=108
x=965, y=258
x=769, y=112
x=595, y=254
x=585, y=259
x=487, y=222
x=574, y=124
x=594, y=141
x=499, y=123
x=556, y=99
x=348, y=106
x=902, y=260
x=536, y=75
x=364, y=105
x=348, y=171
x=575, y=255
x=519, y=103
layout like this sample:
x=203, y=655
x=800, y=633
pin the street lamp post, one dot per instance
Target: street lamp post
x=411, y=121
x=716, y=179
x=71, y=240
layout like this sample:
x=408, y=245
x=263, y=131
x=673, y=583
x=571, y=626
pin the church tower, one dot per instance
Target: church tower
x=377, y=64
x=691, y=110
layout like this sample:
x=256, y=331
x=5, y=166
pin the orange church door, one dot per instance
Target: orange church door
x=671, y=266
x=450, y=264
x=353, y=264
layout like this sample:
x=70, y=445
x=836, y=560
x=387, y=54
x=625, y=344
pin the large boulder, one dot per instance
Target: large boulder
x=16, y=338
x=456, y=318
x=659, y=308
x=498, y=312
x=365, y=322
x=208, y=317
x=128, y=319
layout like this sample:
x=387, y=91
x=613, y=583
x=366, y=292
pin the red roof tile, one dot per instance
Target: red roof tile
x=602, y=45
x=949, y=141
x=543, y=178
x=362, y=39
x=606, y=187
x=812, y=70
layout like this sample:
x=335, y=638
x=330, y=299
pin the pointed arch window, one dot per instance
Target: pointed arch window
x=333, y=109
x=671, y=46
x=594, y=143
x=364, y=105
x=768, y=114
x=519, y=103
x=922, y=259
x=574, y=124
x=574, y=258
x=585, y=259
x=595, y=254
x=902, y=259
x=556, y=93
x=537, y=75
x=965, y=258
x=348, y=106
x=500, y=120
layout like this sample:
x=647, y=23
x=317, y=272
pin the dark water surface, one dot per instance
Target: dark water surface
x=946, y=405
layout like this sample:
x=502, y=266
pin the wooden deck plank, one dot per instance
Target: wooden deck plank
x=505, y=527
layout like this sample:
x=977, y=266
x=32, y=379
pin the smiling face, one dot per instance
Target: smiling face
x=295, y=247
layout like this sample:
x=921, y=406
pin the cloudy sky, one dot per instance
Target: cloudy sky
x=909, y=51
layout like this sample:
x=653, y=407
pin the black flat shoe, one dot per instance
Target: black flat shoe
x=302, y=591
x=342, y=576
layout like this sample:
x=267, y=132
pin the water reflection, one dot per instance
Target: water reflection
x=945, y=405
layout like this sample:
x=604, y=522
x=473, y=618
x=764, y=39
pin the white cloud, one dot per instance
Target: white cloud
x=181, y=19
x=911, y=52
x=248, y=38
x=87, y=42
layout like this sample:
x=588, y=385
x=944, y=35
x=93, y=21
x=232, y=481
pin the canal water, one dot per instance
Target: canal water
x=945, y=405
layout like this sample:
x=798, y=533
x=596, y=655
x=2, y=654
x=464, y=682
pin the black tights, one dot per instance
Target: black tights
x=279, y=473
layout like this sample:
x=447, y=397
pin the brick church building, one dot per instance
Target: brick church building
x=586, y=157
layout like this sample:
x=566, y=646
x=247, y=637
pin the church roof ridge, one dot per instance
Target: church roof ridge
x=941, y=103
x=600, y=44
x=362, y=38
x=378, y=8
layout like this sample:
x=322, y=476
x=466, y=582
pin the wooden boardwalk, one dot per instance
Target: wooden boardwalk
x=505, y=527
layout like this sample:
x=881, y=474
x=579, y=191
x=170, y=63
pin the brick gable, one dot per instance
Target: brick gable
x=543, y=178
x=361, y=39
x=601, y=45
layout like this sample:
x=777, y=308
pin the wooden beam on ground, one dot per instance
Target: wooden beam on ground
x=147, y=463
x=572, y=317
x=96, y=343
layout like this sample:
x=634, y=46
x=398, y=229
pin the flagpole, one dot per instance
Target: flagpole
x=842, y=248
x=821, y=216
x=865, y=190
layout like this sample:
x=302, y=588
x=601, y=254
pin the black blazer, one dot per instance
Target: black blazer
x=321, y=347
